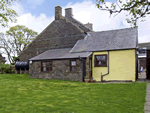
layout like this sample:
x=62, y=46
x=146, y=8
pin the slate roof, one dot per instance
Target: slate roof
x=108, y=40
x=144, y=45
x=79, y=24
x=60, y=54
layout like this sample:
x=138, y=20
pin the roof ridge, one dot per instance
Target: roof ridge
x=111, y=30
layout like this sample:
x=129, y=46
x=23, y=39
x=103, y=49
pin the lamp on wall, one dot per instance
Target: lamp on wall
x=30, y=61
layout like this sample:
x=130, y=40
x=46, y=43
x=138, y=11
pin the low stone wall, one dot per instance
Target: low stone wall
x=60, y=70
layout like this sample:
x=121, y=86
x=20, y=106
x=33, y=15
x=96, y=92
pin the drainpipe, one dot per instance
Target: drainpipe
x=108, y=69
x=83, y=68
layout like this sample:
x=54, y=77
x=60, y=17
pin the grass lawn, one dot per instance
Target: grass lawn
x=19, y=93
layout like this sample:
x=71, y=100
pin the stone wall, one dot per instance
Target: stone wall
x=59, y=34
x=60, y=70
x=63, y=32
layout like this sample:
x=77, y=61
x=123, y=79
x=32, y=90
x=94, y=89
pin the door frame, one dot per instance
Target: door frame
x=90, y=66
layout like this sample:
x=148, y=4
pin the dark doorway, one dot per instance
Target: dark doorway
x=90, y=66
x=141, y=68
x=148, y=65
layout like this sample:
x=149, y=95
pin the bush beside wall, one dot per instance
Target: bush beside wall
x=6, y=68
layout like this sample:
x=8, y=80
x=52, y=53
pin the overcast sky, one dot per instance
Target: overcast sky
x=37, y=14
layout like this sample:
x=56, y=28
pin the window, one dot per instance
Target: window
x=46, y=66
x=73, y=65
x=142, y=50
x=100, y=60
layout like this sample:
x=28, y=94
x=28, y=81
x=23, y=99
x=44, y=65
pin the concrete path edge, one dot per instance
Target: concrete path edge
x=147, y=98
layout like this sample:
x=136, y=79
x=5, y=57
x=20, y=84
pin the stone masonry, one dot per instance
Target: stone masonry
x=63, y=32
x=60, y=70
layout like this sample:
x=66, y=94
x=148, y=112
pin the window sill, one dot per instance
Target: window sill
x=100, y=66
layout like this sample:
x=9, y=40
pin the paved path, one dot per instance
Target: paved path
x=142, y=75
x=147, y=103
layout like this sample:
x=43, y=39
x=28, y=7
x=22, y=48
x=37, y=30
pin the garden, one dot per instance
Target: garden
x=21, y=94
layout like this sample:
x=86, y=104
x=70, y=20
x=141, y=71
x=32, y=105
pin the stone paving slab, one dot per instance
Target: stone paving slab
x=147, y=98
x=147, y=108
x=148, y=91
x=147, y=103
x=147, y=112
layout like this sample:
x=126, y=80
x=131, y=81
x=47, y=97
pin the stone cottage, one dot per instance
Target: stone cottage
x=63, y=32
x=70, y=50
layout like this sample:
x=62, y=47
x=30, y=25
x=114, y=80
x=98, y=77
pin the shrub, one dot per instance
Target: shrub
x=86, y=77
x=5, y=68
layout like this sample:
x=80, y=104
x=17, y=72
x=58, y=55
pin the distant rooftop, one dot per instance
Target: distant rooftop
x=144, y=45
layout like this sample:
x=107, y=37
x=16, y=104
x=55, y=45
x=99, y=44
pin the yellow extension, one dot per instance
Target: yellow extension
x=121, y=66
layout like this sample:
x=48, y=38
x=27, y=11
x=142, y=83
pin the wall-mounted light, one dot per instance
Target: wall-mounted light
x=30, y=61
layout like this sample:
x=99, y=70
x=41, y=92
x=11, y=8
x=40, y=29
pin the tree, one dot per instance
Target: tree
x=15, y=40
x=7, y=14
x=136, y=9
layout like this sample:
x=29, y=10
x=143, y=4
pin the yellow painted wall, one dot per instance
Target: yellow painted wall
x=121, y=66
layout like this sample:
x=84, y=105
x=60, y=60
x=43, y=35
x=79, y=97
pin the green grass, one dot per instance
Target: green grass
x=21, y=94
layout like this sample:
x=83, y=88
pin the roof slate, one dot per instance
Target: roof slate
x=108, y=40
x=60, y=54
x=79, y=24
x=143, y=45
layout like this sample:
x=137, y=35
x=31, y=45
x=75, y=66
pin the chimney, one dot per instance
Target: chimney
x=58, y=12
x=89, y=25
x=68, y=12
